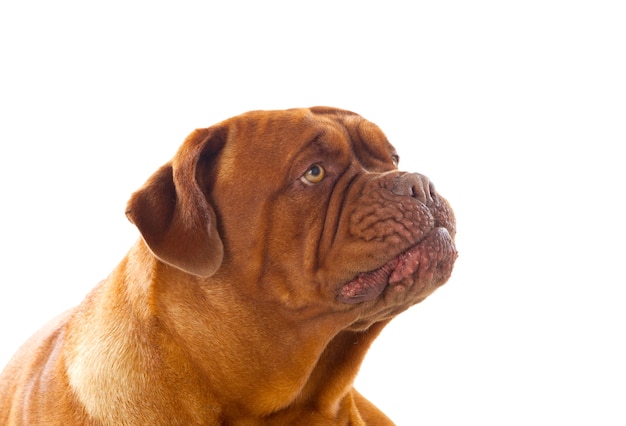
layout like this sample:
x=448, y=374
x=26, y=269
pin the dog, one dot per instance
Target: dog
x=274, y=247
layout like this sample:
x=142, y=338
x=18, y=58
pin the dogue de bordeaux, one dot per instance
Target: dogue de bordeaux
x=274, y=248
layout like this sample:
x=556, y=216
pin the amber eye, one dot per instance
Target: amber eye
x=315, y=174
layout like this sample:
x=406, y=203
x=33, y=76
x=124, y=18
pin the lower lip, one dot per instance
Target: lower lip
x=436, y=248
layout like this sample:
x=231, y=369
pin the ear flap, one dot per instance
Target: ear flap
x=172, y=212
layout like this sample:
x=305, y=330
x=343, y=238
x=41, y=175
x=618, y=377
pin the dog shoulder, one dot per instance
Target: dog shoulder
x=27, y=377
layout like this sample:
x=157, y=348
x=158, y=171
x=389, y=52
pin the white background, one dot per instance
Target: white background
x=516, y=110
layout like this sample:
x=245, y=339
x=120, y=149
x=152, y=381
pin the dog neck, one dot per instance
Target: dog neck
x=179, y=318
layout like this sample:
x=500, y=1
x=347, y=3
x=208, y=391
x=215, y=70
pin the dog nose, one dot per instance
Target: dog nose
x=416, y=186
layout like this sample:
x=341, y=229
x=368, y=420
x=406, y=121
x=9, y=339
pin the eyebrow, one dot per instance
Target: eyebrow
x=316, y=140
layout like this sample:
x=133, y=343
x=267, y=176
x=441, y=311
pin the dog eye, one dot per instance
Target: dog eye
x=315, y=174
x=395, y=159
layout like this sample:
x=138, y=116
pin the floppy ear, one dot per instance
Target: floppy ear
x=172, y=212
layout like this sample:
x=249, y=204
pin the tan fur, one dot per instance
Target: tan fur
x=241, y=304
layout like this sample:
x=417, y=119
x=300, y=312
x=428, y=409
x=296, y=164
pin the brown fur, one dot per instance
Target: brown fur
x=245, y=301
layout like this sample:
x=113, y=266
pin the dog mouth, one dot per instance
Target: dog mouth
x=430, y=261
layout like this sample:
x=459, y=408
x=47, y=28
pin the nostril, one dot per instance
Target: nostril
x=415, y=186
x=431, y=190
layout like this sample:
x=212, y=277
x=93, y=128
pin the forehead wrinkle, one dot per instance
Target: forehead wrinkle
x=327, y=141
x=312, y=141
x=367, y=141
x=329, y=144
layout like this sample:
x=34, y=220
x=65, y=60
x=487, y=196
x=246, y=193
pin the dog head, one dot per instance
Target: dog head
x=303, y=207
